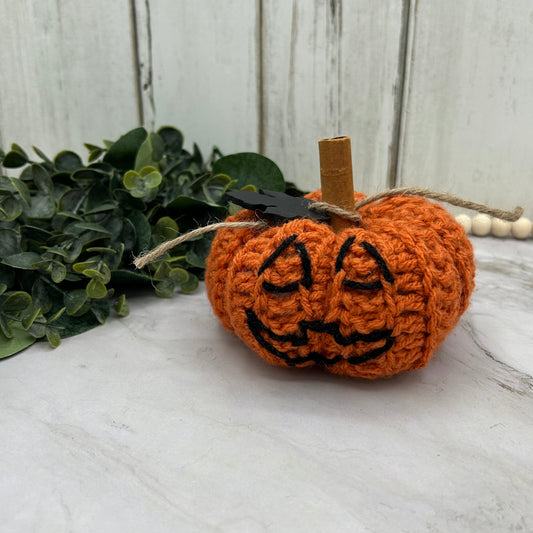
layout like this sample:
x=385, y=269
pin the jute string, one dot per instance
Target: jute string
x=164, y=247
x=510, y=216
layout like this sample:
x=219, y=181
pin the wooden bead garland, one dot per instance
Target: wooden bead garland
x=482, y=225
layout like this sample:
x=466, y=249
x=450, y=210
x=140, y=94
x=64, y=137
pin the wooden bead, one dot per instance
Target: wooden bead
x=465, y=221
x=481, y=225
x=500, y=228
x=521, y=229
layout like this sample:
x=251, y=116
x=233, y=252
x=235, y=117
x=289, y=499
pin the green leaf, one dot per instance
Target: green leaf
x=6, y=185
x=90, y=264
x=197, y=157
x=12, y=302
x=94, y=151
x=128, y=235
x=101, y=249
x=55, y=250
x=165, y=288
x=129, y=277
x=143, y=231
x=69, y=249
x=15, y=158
x=141, y=183
x=250, y=168
x=215, y=187
x=42, y=155
x=95, y=154
x=29, y=316
x=197, y=254
x=75, y=325
x=38, y=327
x=162, y=271
x=42, y=207
x=151, y=177
x=172, y=139
x=5, y=327
x=99, y=199
x=58, y=271
x=190, y=285
x=179, y=275
x=127, y=201
x=67, y=161
x=132, y=180
x=99, y=314
x=91, y=226
x=88, y=175
x=122, y=153
x=53, y=337
x=150, y=152
x=75, y=301
x=72, y=200
x=40, y=295
x=7, y=275
x=92, y=147
x=104, y=271
x=101, y=208
x=42, y=179
x=186, y=202
x=165, y=228
x=9, y=242
x=59, y=190
x=121, y=306
x=36, y=233
x=96, y=289
x=93, y=273
x=22, y=189
x=22, y=260
x=56, y=315
x=20, y=340
x=10, y=208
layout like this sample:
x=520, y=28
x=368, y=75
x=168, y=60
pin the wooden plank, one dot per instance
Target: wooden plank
x=332, y=68
x=468, y=111
x=141, y=19
x=68, y=74
x=204, y=70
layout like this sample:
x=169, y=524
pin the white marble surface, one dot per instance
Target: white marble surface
x=164, y=422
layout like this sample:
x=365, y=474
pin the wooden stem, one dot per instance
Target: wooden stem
x=336, y=176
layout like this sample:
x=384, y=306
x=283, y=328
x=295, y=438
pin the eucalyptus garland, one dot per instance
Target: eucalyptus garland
x=69, y=231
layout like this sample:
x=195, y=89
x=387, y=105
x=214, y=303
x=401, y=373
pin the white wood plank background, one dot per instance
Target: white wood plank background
x=331, y=68
x=199, y=70
x=67, y=73
x=433, y=93
x=468, y=108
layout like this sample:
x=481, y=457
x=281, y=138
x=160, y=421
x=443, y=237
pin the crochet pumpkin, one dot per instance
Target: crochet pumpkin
x=370, y=301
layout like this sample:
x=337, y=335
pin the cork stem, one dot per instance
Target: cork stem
x=336, y=177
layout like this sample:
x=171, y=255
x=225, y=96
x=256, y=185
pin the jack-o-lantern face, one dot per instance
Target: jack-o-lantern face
x=369, y=301
x=367, y=345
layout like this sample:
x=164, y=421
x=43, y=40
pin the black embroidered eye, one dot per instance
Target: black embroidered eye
x=364, y=285
x=305, y=280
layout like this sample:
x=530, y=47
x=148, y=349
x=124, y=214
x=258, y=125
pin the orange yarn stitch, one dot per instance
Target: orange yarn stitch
x=370, y=301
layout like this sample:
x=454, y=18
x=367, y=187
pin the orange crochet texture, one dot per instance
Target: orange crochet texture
x=370, y=301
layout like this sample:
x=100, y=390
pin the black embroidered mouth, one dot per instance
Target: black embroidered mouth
x=301, y=338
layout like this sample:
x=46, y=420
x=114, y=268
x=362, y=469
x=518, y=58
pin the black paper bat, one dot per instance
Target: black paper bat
x=277, y=204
